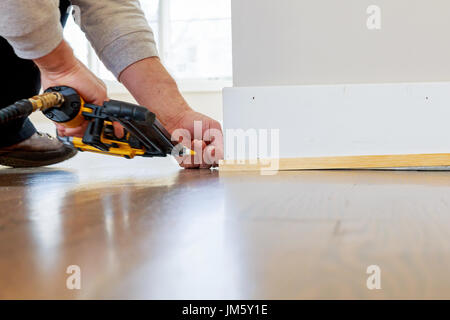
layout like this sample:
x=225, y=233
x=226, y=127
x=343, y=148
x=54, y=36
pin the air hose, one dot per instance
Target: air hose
x=25, y=107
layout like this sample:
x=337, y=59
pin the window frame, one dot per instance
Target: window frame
x=163, y=41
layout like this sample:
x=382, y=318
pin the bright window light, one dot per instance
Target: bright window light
x=193, y=38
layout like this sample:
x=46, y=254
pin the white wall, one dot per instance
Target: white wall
x=293, y=42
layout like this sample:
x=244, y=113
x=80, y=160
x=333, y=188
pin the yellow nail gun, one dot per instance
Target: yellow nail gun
x=143, y=136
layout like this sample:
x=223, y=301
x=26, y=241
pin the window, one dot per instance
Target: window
x=200, y=39
x=193, y=38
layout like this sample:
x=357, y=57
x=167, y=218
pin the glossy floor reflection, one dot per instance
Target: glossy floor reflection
x=145, y=229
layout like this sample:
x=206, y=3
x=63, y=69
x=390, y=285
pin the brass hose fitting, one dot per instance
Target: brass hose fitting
x=46, y=100
x=25, y=107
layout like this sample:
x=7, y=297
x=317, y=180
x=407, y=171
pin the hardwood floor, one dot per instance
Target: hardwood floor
x=145, y=229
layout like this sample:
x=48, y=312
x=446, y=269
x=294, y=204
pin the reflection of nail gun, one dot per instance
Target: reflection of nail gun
x=143, y=135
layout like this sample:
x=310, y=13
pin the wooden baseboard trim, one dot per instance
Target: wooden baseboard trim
x=341, y=162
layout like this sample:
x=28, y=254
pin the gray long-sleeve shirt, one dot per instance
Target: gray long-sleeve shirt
x=117, y=29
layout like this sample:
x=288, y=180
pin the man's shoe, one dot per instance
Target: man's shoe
x=39, y=150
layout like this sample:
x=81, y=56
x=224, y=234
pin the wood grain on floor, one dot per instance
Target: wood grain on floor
x=143, y=228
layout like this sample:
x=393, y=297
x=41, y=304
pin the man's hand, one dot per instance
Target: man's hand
x=61, y=67
x=199, y=133
x=153, y=87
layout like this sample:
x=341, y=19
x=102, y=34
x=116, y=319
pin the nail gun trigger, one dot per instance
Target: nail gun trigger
x=92, y=135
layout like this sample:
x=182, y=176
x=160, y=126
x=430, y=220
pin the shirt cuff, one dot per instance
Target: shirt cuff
x=128, y=49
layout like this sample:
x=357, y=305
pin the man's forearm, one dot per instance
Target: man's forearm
x=152, y=86
x=118, y=31
x=61, y=59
